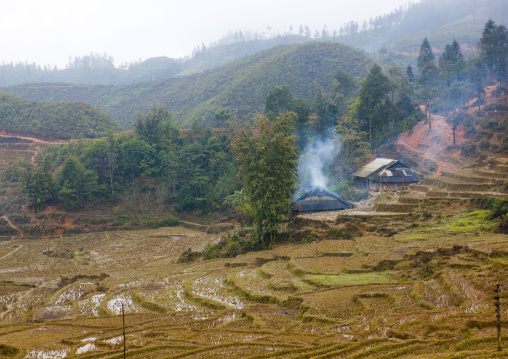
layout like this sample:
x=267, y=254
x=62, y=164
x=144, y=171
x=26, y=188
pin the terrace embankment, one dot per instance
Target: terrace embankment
x=13, y=149
x=421, y=292
x=450, y=191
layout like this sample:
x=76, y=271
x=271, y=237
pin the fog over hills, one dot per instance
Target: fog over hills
x=236, y=72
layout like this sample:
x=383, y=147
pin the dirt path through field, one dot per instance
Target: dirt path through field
x=12, y=226
x=10, y=253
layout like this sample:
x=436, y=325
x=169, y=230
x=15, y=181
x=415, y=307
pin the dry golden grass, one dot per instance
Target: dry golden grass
x=417, y=294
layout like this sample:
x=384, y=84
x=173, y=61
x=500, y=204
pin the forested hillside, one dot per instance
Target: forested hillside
x=61, y=120
x=240, y=88
x=402, y=29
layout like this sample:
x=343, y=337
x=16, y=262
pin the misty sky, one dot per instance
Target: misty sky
x=49, y=32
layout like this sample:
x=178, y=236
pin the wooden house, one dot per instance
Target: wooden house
x=385, y=174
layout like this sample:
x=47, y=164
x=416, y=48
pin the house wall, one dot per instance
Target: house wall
x=376, y=186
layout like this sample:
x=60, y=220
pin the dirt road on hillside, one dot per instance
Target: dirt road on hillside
x=12, y=225
x=35, y=139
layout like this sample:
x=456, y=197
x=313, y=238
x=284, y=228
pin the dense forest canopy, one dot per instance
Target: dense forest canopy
x=144, y=171
x=61, y=120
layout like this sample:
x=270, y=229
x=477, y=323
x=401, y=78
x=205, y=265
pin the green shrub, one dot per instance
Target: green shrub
x=503, y=225
x=310, y=237
x=346, y=190
x=189, y=256
x=169, y=222
x=229, y=247
x=468, y=149
x=499, y=208
x=21, y=218
x=484, y=144
x=122, y=219
x=211, y=251
x=8, y=351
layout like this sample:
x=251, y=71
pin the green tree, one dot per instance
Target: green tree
x=355, y=146
x=222, y=118
x=452, y=63
x=410, y=75
x=156, y=125
x=425, y=55
x=345, y=83
x=403, y=111
x=372, y=100
x=398, y=87
x=428, y=75
x=331, y=106
x=280, y=100
x=302, y=110
x=319, y=101
x=77, y=184
x=477, y=74
x=494, y=48
x=38, y=184
x=267, y=164
x=454, y=120
x=101, y=157
x=277, y=101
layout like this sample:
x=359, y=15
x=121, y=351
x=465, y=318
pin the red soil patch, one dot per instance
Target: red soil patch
x=433, y=143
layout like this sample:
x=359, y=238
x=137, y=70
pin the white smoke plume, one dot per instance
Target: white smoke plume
x=317, y=157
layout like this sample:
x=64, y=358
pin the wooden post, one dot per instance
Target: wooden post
x=123, y=331
x=498, y=315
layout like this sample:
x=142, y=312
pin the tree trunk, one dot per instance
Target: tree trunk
x=370, y=131
x=429, y=116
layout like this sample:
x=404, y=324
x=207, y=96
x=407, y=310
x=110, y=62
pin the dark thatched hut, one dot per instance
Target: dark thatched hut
x=385, y=174
x=317, y=198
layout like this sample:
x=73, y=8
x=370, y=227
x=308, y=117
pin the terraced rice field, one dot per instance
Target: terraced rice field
x=418, y=293
x=12, y=150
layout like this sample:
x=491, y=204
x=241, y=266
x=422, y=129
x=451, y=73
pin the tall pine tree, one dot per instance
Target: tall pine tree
x=372, y=101
x=428, y=75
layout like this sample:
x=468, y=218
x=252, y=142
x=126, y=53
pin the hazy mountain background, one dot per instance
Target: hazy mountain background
x=239, y=87
x=237, y=71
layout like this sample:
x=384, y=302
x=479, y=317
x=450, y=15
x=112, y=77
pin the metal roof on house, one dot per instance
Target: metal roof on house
x=380, y=170
x=373, y=168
